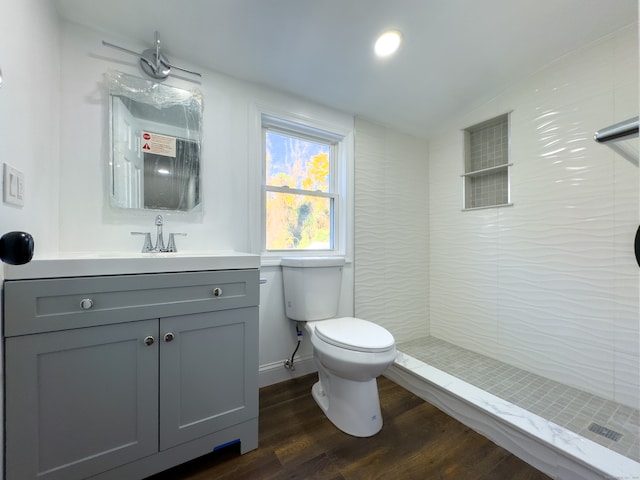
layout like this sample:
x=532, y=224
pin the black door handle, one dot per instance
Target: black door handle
x=16, y=248
x=637, y=246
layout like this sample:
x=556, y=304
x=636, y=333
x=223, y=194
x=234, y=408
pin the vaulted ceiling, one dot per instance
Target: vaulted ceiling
x=455, y=52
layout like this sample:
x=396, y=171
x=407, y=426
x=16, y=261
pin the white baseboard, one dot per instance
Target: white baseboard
x=275, y=372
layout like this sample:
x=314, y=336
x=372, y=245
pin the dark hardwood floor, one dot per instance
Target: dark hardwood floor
x=297, y=441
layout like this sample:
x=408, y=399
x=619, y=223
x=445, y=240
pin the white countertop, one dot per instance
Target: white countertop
x=82, y=264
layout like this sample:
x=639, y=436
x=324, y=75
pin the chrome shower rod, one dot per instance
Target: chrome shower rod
x=617, y=131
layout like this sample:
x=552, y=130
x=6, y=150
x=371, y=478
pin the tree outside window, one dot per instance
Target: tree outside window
x=299, y=195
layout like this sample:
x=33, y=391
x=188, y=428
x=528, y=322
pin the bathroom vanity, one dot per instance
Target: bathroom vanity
x=122, y=373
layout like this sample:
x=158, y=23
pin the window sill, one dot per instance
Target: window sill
x=275, y=261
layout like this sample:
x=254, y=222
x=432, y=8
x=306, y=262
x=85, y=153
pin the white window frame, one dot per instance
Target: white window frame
x=303, y=132
x=331, y=129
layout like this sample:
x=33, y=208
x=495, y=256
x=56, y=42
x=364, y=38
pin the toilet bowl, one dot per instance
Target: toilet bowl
x=347, y=389
x=350, y=353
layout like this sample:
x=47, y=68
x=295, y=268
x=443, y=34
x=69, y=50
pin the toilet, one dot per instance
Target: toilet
x=350, y=353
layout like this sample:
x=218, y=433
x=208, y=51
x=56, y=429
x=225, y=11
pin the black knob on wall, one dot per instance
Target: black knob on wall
x=16, y=248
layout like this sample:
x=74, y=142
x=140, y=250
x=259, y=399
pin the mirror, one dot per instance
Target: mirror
x=155, y=145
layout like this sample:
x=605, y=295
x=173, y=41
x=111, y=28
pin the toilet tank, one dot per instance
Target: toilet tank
x=311, y=287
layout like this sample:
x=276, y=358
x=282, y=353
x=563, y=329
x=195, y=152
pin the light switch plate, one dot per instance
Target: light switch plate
x=13, y=188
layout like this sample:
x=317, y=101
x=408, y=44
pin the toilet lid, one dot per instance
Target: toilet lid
x=354, y=334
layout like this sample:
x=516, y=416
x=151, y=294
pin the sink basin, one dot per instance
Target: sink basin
x=121, y=263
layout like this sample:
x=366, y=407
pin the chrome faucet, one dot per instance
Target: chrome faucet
x=159, y=240
x=148, y=247
x=171, y=246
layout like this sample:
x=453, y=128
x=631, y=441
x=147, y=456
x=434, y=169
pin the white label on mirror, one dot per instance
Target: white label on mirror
x=158, y=144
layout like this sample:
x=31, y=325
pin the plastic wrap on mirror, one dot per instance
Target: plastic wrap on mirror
x=155, y=132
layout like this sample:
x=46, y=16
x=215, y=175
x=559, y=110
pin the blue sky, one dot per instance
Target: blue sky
x=284, y=150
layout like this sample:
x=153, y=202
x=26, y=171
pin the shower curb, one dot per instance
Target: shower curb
x=497, y=420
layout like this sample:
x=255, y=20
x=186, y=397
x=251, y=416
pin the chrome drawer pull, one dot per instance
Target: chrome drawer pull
x=86, y=304
x=169, y=336
x=217, y=292
x=149, y=340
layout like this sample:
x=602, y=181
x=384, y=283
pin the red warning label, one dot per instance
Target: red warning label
x=159, y=144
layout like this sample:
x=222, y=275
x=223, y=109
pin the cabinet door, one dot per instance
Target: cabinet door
x=81, y=401
x=208, y=373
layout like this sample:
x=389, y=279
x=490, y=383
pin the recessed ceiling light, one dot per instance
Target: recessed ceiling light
x=387, y=43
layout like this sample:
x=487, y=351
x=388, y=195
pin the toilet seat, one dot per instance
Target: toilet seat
x=354, y=334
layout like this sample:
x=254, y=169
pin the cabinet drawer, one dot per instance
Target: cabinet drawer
x=34, y=306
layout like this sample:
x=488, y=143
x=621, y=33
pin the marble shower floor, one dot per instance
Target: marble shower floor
x=565, y=406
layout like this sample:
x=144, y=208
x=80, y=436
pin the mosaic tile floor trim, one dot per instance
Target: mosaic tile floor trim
x=566, y=406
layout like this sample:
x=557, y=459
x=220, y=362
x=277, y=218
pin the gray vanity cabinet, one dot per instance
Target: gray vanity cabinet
x=204, y=373
x=159, y=369
x=80, y=401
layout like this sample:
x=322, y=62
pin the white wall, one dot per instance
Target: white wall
x=391, y=238
x=231, y=175
x=29, y=126
x=29, y=134
x=550, y=284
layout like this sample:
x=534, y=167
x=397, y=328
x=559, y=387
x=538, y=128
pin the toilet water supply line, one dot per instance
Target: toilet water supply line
x=288, y=363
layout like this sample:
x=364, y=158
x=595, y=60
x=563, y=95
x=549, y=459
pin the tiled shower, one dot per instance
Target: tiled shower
x=549, y=285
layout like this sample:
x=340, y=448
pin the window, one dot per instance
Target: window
x=486, y=177
x=301, y=187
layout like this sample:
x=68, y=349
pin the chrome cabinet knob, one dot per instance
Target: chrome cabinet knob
x=169, y=336
x=149, y=340
x=217, y=292
x=86, y=304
